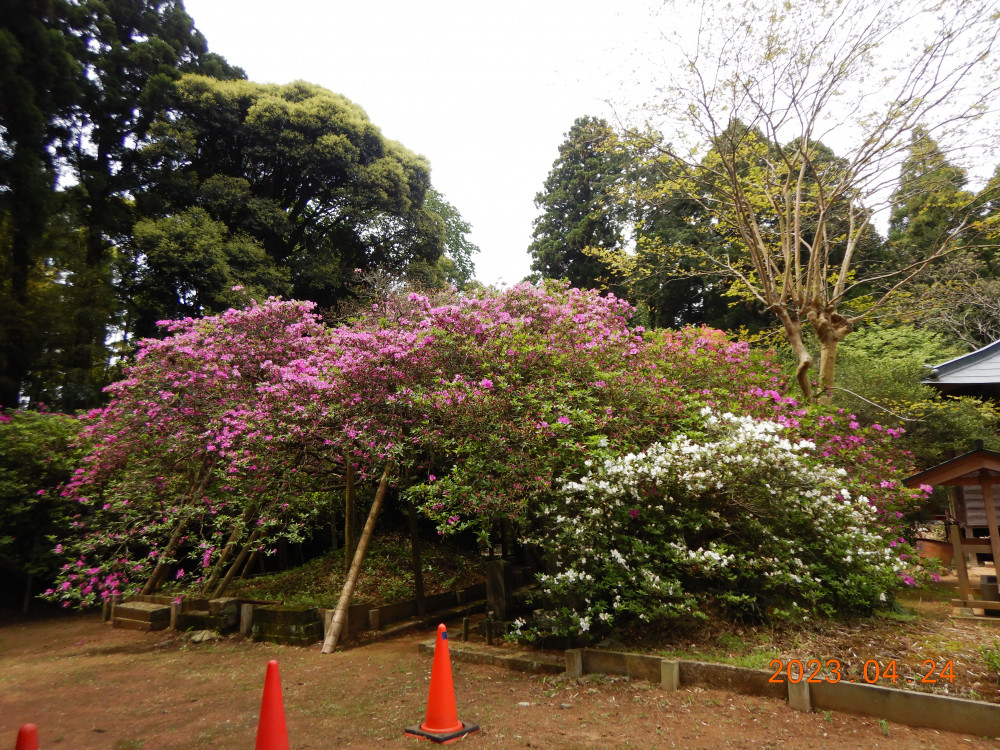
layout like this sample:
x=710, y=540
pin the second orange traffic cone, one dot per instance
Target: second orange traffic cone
x=441, y=723
x=271, y=731
x=27, y=738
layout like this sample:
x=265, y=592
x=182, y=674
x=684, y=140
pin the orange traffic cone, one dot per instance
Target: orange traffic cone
x=271, y=731
x=441, y=723
x=27, y=738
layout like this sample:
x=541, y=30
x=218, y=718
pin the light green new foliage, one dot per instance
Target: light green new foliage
x=881, y=369
x=740, y=516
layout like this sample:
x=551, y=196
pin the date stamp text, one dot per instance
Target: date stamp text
x=814, y=671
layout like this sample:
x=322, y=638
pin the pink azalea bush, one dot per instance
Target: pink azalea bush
x=233, y=431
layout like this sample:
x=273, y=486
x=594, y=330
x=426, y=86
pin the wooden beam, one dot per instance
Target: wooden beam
x=970, y=482
x=963, y=573
x=956, y=467
x=980, y=544
x=339, y=620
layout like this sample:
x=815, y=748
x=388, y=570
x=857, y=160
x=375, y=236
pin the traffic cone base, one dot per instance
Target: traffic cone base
x=441, y=723
x=442, y=738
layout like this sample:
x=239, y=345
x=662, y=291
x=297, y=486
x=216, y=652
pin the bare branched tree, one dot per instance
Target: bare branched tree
x=766, y=90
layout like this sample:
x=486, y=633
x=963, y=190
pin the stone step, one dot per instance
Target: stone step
x=141, y=616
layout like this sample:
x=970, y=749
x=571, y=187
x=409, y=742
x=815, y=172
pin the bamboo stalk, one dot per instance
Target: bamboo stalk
x=340, y=614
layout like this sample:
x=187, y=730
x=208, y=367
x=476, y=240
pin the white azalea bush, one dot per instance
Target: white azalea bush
x=741, y=519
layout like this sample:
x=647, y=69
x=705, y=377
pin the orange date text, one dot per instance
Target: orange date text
x=813, y=671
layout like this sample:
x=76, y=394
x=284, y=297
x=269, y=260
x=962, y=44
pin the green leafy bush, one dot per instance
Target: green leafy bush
x=880, y=372
x=36, y=457
x=745, y=517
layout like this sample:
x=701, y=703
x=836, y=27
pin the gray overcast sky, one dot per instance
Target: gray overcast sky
x=484, y=91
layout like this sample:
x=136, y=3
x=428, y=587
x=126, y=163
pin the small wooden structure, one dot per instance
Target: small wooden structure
x=974, y=477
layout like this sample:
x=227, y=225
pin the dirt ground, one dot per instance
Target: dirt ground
x=89, y=687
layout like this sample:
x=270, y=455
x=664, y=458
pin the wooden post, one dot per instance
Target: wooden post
x=960, y=562
x=340, y=614
x=418, y=573
x=991, y=516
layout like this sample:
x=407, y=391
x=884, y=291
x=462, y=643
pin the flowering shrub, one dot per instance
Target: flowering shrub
x=232, y=432
x=745, y=517
x=186, y=463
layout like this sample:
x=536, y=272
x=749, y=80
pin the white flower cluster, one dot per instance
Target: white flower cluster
x=746, y=509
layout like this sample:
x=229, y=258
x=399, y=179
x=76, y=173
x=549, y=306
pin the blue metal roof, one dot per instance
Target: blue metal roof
x=976, y=368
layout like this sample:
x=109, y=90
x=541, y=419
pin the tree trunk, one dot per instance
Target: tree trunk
x=224, y=585
x=250, y=561
x=198, y=482
x=152, y=583
x=26, y=602
x=831, y=328
x=827, y=366
x=340, y=614
x=793, y=334
x=418, y=573
x=227, y=552
x=349, y=513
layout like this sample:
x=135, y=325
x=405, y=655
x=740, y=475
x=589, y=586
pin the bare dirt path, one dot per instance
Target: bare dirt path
x=89, y=687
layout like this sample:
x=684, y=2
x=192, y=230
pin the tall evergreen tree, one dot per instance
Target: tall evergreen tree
x=580, y=206
x=929, y=201
x=958, y=296
x=38, y=87
x=132, y=52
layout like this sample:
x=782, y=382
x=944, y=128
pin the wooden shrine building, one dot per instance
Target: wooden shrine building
x=975, y=374
x=974, y=477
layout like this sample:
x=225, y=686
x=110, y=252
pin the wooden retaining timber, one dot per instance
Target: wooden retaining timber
x=365, y=617
x=518, y=661
x=270, y=621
